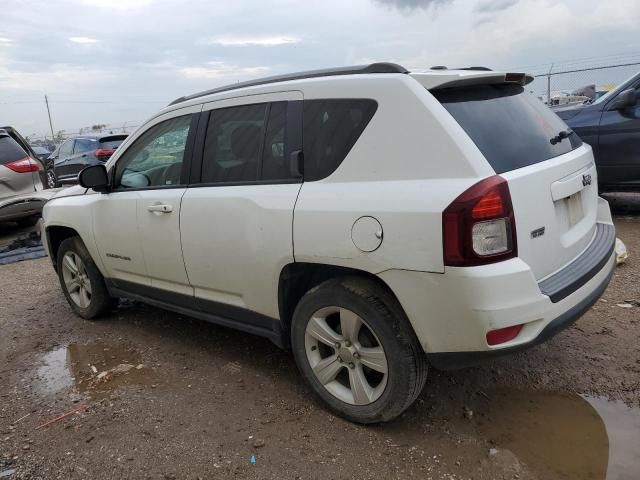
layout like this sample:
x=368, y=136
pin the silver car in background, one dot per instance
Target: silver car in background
x=20, y=183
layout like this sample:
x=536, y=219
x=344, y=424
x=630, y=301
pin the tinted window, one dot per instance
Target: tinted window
x=511, y=127
x=111, y=143
x=40, y=150
x=10, y=151
x=330, y=129
x=85, y=145
x=233, y=146
x=155, y=158
x=66, y=148
x=274, y=163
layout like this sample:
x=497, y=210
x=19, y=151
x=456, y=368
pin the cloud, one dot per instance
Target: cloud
x=116, y=4
x=157, y=50
x=215, y=70
x=240, y=41
x=493, y=6
x=82, y=40
x=409, y=5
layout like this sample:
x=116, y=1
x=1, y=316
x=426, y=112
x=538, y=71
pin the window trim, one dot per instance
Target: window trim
x=186, y=160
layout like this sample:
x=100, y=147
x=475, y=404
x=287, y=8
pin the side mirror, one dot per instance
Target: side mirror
x=627, y=98
x=94, y=177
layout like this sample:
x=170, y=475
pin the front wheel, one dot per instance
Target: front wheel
x=81, y=281
x=356, y=349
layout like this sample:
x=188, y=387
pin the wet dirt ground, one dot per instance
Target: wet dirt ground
x=161, y=396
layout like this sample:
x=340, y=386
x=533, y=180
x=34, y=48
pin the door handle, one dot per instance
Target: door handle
x=161, y=208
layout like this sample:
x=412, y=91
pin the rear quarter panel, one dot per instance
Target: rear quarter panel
x=411, y=161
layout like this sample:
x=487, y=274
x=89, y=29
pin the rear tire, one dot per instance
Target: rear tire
x=52, y=180
x=81, y=281
x=355, y=347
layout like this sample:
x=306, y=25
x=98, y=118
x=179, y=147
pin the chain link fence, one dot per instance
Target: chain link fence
x=562, y=85
x=61, y=135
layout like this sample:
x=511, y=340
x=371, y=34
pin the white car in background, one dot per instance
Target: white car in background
x=374, y=220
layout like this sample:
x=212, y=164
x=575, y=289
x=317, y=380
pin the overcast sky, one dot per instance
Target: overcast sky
x=116, y=61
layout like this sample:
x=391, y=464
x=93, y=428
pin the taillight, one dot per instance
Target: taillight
x=103, y=153
x=24, y=165
x=479, y=226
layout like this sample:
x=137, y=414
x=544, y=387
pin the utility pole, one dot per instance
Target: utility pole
x=549, y=85
x=46, y=100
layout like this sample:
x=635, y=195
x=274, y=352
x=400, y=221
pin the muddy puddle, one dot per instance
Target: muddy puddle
x=561, y=435
x=94, y=370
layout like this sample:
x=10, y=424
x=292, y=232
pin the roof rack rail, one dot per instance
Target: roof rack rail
x=443, y=67
x=482, y=69
x=382, y=67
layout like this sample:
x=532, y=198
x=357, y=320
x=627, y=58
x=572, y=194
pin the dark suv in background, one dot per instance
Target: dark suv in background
x=77, y=153
x=611, y=125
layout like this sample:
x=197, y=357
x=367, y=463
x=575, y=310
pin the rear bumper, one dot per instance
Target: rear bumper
x=451, y=313
x=24, y=205
x=582, y=269
x=20, y=208
x=455, y=360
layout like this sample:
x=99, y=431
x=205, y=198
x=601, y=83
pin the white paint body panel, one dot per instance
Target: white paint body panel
x=228, y=244
x=236, y=240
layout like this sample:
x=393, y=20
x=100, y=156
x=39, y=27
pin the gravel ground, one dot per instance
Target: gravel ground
x=185, y=399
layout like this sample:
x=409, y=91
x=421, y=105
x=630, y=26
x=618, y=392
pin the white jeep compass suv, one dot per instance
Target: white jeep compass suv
x=373, y=220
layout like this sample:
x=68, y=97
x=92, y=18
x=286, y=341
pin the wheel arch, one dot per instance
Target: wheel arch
x=56, y=234
x=298, y=278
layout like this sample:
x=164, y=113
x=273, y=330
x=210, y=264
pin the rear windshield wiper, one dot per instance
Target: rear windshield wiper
x=561, y=136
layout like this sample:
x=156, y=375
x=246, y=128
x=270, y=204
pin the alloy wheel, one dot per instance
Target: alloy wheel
x=345, y=356
x=51, y=179
x=76, y=279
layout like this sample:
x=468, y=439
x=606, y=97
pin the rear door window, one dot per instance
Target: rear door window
x=275, y=165
x=85, y=145
x=511, y=127
x=10, y=151
x=330, y=129
x=247, y=143
x=66, y=148
x=234, y=142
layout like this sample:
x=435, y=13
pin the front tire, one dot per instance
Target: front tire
x=357, y=350
x=81, y=281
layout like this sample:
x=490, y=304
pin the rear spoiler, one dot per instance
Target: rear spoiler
x=115, y=136
x=451, y=78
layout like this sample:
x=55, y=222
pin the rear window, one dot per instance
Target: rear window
x=111, y=143
x=330, y=129
x=10, y=151
x=512, y=128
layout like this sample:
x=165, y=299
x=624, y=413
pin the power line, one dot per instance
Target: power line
x=19, y=102
x=589, y=60
x=588, y=69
